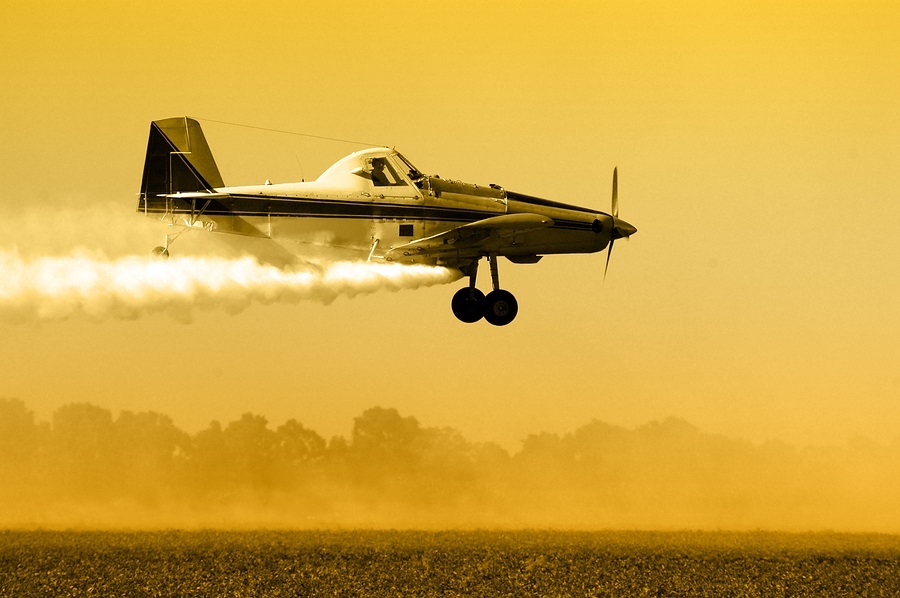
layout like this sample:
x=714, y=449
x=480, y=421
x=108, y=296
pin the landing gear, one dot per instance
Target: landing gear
x=500, y=307
x=162, y=251
x=469, y=304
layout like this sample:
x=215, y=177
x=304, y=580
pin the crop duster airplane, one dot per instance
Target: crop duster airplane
x=375, y=205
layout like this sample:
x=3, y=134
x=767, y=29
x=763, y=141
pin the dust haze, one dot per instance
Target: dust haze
x=89, y=468
x=76, y=258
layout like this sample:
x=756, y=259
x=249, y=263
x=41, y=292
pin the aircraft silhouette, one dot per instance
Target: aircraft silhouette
x=375, y=205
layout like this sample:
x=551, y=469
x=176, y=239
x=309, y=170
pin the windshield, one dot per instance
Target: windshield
x=414, y=173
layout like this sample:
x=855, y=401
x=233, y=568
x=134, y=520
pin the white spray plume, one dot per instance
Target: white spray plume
x=92, y=285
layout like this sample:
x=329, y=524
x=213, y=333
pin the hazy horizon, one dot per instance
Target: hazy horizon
x=88, y=469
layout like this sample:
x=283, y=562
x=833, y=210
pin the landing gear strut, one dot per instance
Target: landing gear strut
x=469, y=304
x=162, y=251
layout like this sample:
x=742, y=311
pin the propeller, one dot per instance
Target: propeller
x=608, y=256
x=615, y=196
x=615, y=213
x=620, y=228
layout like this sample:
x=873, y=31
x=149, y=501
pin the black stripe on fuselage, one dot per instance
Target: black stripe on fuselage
x=283, y=207
x=248, y=205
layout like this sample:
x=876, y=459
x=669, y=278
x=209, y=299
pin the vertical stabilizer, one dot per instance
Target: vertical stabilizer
x=178, y=160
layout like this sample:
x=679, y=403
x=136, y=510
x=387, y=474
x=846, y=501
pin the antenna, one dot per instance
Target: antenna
x=302, y=175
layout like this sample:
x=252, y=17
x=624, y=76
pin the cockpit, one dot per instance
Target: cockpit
x=384, y=174
x=385, y=170
x=380, y=167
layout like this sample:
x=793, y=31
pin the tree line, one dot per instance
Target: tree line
x=87, y=467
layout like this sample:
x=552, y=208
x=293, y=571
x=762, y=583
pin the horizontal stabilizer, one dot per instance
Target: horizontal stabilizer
x=196, y=195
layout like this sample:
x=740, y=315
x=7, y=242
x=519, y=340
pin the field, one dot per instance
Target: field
x=391, y=563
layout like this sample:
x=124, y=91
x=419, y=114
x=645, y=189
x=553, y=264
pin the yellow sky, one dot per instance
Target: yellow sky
x=757, y=147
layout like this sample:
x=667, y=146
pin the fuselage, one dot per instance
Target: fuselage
x=373, y=202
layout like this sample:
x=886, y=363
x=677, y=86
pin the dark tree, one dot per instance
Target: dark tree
x=81, y=450
x=383, y=431
x=147, y=447
x=18, y=433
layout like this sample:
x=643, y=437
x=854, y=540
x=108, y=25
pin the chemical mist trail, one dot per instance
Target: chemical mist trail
x=91, y=285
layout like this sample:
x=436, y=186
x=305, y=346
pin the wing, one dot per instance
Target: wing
x=474, y=236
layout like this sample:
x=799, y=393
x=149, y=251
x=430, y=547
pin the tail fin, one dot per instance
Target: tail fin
x=178, y=159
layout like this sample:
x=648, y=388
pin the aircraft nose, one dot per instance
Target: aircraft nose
x=623, y=229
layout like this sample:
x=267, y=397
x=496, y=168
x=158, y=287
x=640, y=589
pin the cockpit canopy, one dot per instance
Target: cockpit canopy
x=385, y=167
x=386, y=170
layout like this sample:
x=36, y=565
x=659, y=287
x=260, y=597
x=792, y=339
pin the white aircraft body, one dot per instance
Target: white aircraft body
x=375, y=205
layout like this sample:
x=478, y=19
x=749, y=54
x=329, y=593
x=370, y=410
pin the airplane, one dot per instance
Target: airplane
x=374, y=205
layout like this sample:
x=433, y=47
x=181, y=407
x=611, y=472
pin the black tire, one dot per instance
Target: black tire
x=500, y=307
x=160, y=252
x=468, y=309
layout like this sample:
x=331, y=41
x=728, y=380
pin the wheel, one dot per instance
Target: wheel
x=160, y=252
x=468, y=309
x=500, y=307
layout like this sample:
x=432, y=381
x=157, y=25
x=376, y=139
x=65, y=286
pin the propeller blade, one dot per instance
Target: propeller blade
x=615, y=195
x=608, y=256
